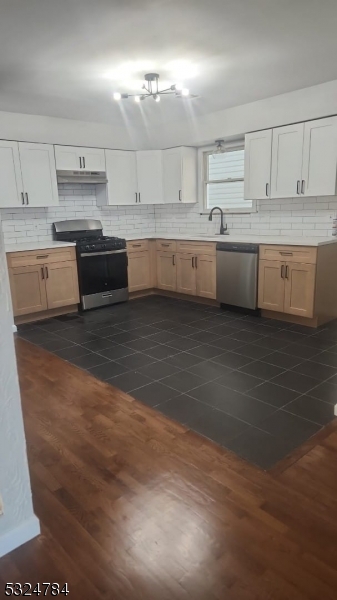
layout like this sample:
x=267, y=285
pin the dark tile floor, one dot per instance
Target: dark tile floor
x=258, y=387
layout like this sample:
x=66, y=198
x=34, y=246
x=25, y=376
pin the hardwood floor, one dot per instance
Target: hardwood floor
x=134, y=506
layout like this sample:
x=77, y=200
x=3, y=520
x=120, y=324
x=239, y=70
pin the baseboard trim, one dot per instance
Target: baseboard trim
x=20, y=535
x=14, y=328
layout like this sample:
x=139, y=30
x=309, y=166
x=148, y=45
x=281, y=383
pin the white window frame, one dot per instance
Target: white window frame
x=203, y=153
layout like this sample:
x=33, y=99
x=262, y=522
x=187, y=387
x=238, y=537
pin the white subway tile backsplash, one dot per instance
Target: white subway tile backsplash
x=312, y=216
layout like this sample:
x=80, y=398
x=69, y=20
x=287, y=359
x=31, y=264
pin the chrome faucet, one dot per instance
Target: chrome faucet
x=223, y=228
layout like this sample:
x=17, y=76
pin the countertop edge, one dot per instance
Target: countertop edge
x=31, y=246
x=259, y=240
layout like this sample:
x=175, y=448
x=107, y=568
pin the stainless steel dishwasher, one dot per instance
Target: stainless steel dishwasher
x=236, y=274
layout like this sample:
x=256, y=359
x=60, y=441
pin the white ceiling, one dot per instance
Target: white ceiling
x=65, y=58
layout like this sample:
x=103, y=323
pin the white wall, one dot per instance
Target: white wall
x=50, y=130
x=309, y=103
x=301, y=105
x=18, y=523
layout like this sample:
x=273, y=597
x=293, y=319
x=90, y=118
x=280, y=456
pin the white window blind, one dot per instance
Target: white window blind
x=224, y=181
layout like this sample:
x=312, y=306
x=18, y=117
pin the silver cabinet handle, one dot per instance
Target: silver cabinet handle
x=287, y=253
x=27, y=201
x=282, y=271
x=196, y=262
x=267, y=189
x=80, y=162
x=22, y=198
x=287, y=272
x=173, y=260
x=302, y=186
x=47, y=273
x=136, y=197
x=179, y=195
x=298, y=187
x=83, y=158
x=40, y=256
x=139, y=197
x=42, y=273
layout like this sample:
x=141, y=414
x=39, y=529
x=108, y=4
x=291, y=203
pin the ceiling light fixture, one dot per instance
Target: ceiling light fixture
x=151, y=90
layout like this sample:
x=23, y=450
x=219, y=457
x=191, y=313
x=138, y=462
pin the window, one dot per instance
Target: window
x=223, y=179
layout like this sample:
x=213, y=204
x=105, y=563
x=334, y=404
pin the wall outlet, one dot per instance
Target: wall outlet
x=1, y=507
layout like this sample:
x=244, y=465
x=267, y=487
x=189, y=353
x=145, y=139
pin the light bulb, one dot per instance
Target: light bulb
x=117, y=96
x=179, y=87
x=157, y=98
x=137, y=98
x=185, y=92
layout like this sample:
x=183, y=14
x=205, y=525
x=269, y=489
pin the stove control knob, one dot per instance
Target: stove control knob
x=87, y=248
x=92, y=247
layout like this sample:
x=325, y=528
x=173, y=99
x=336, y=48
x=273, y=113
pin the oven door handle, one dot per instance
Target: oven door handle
x=103, y=253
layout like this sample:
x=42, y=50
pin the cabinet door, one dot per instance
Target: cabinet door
x=93, y=159
x=139, y=271
x=67, y=158
x=319, y=158
x=61, y=284
x=121, y=168
x=206, y=275
x=186, y=274
x=38, y=174
x=271, y=285
x=286, y=169
x=28, y=289
x=166, y=271
x=299, y=289
x=172, y=175
x=11, y=191
x=150, y=176
x=258, y=164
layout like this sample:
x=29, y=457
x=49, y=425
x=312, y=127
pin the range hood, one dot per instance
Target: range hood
x=81, y=177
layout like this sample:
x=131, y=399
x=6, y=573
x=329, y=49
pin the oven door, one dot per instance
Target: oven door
x=103, y=277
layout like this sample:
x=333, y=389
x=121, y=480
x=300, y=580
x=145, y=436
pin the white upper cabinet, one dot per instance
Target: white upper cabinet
x=27, y=175
x=38, y=174
x=287, y=153
x=319, y=158
x=150, y=177
x=121, y=170
x=76, y=158
x=11, y=188
x=258, y=152
x=180, y=175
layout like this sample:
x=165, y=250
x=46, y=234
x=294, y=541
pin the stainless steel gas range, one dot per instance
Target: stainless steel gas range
x=102, y=262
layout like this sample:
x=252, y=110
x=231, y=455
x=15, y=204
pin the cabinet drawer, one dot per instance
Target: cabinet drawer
x=298, y=254
x=196, y=247
x=43, y=257
x=137, y=245
x=166, y=245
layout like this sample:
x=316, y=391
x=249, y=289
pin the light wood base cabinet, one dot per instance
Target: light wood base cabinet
x=196, y=275
x=62, y=284
x=206, y=276
x=166, y=271
x=43, y=281
x=299, y=281
x=139, y=271
x=28, y=290
x=186, y=276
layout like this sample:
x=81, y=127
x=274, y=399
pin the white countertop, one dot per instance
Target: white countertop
x=26, y=246
x=245, y=239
